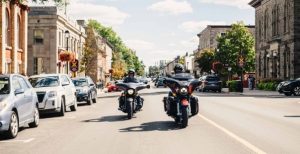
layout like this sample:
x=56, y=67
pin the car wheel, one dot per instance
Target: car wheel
x=74, y=107
x=36, y=118
x=288, y=94
x=89, y=100
x=13, y=126
x=297, y=91
x=62, y=108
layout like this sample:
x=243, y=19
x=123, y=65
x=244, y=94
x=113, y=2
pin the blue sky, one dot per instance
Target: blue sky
x=161, y=29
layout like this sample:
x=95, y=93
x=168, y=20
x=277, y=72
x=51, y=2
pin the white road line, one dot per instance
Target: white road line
x=234, y=136
x=24, y=141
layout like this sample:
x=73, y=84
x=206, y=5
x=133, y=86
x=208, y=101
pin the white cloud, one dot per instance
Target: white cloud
x=197, y=26
x=191, y=43
x=81, y=9
x=139, y=45
x=172, y=7
x=242, y=4
x=108, y=15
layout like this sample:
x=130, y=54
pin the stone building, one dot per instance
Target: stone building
x=13, y=53
x=277, y=38
x=52, y=36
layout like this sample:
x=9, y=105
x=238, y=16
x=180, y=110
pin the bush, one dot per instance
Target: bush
x=234, y=85
x=268, y=86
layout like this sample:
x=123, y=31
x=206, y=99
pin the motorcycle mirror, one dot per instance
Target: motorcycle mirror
x=148, y=86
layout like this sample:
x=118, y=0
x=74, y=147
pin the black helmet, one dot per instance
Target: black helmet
x=131, y=71
x=179, y=68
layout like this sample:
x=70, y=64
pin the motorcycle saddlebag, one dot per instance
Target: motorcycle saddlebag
x=194, y=106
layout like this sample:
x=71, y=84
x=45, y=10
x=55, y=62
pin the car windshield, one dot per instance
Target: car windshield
x=212, y=79
x=80, y=82
x=4, y=86
x=49, y=81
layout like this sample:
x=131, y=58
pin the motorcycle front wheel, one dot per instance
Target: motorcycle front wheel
x=129, y=110
x=185, y=117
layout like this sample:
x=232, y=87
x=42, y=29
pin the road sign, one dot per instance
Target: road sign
x=241, y=61
x=74, y=65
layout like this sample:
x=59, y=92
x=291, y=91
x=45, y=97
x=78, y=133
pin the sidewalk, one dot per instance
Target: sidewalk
x=254, y=92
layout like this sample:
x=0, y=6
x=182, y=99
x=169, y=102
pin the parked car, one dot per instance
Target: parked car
x=291, y=87
x=85, y=90
x=111, y=87
x=143, y=80
x=210, y=83
x=159, y=83
x=55, y=92
x=18, y=104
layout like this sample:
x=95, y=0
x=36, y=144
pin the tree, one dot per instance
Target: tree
x=206, y=60
x=89, y=53
x=236, y=42
x=119, y=66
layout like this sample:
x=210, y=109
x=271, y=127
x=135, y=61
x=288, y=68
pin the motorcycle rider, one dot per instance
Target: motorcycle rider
x=181, y=76
x=130, y=79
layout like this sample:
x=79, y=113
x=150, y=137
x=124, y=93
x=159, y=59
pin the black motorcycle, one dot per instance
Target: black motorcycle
x=129, y=97
x=180, y=104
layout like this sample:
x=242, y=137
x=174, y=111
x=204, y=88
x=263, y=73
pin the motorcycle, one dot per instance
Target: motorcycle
x=180, y=104
x=129, y=97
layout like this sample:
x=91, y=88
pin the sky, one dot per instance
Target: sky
x=161, y=29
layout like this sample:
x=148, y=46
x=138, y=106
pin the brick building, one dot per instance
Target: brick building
x=277, y=38
x=51, y=34
x=13, y=53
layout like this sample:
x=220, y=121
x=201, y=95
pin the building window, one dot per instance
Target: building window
x=18, y=39
x=223, y=34
x=59, y=39
x=38, y=65
x=275, y=20
x=7, y=28
x=38, y=37
x=266, y=23
x=286, y=18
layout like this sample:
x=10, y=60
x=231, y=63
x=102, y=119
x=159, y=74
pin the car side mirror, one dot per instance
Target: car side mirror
x=91, y=85
x=19, y=91
x=148, y=86
x=65, y=84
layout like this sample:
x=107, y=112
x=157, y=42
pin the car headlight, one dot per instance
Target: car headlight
x=130, y=91
x=52, y=94
x=286, y=83
x=84, y=90
x=183, y=90
x=3, y=105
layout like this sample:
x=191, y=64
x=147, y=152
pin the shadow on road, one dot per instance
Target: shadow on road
x=152, y=126
x=4, y=137
x=114, y=118
x=292, y=116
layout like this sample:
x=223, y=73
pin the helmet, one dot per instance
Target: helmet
x=131, y=71
x=179, y=68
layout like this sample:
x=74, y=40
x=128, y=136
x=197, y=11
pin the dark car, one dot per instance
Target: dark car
x=291, y=87
x=144, y=80
x=159, y=83
x=210, y=83
x=85, y=90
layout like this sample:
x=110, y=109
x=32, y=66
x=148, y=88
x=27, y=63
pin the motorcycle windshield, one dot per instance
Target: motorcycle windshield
x=192, y=84
x=136, y=86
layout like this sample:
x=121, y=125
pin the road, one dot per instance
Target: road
x=224, y=125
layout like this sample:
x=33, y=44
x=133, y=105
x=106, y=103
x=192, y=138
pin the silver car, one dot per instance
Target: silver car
x=18, y=104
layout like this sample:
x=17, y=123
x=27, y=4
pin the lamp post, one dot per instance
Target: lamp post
x=229, y=72
x=67, y=35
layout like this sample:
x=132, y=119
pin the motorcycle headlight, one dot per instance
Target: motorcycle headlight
x=183, y=90
x=52, y=94
x=130, y=91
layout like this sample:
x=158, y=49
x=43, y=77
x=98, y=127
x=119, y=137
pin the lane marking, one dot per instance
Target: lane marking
x=24, y=141
x=234, y=136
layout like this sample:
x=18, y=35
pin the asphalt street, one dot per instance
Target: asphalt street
x=233, y=125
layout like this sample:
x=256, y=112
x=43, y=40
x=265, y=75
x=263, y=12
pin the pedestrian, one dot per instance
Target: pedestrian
x=250, y=82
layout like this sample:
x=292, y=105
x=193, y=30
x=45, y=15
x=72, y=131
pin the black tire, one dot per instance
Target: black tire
x=288, y=94
x=74, y=107
x=36, y=118
x=13, y=126
x=89, y=100
x=296, y=91
x=185, y=117
x=220, y=90
x=62, y=107
x=129, y=110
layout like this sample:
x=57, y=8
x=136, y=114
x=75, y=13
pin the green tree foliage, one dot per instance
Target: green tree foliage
x=236, y=41
x=206, y=60
x=126, y=54
x=153, y=71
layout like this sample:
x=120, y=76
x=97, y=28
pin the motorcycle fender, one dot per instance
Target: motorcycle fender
x=184, y=102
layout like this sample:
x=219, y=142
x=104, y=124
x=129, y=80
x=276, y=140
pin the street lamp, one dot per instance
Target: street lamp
x=67, y=35
x=229, y=71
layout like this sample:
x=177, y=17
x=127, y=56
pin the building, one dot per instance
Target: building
x=277, y=38
x=55, y=43
x=208, y=37
x=101, y=59
x=13, y=53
